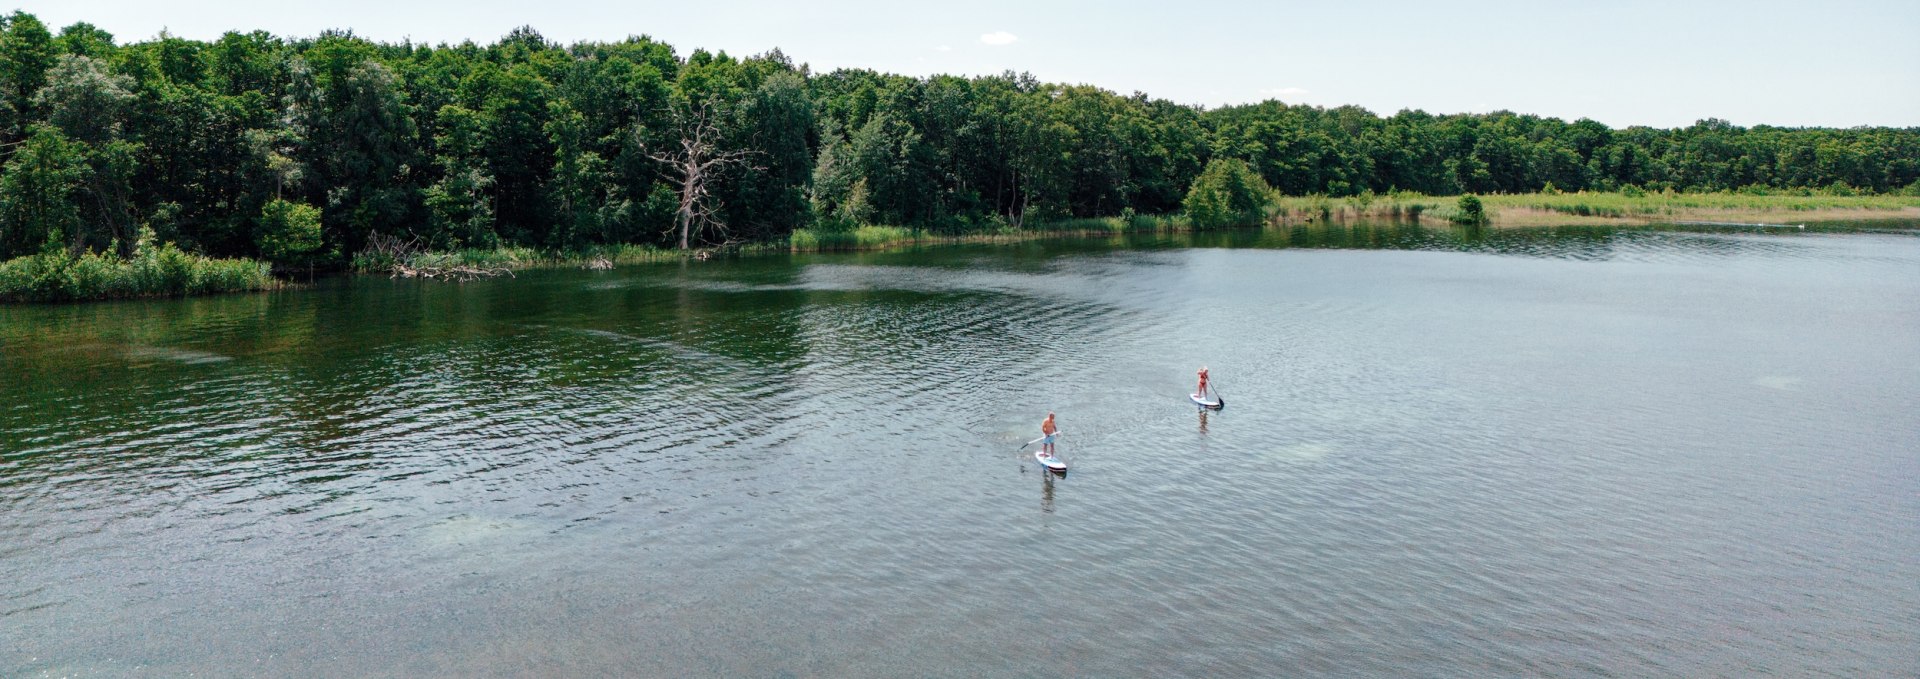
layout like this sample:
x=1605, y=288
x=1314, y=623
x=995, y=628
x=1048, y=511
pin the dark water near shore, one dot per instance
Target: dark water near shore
x=1552, y=452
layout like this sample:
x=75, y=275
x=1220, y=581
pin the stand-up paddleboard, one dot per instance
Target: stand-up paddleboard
x=1053, y=463
x=1215, y=404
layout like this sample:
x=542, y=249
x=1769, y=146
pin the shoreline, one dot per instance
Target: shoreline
x=1603, y=209
x=1528, y=216
x=1511, y=217
x=1523, y=211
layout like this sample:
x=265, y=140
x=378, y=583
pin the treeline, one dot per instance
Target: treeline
x=300, y=150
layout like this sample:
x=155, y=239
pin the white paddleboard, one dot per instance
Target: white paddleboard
x=1051, y=462
x=1215, y=404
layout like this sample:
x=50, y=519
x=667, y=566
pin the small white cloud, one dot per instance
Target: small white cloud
x=998, y=38
x=1285, y=92
x=943, y=48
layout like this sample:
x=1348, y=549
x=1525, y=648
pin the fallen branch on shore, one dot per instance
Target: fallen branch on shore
x=448, y=272
x=408, y=258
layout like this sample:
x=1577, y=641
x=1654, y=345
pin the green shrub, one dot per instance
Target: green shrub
x=288, y=233
x=161, y=271
x=1471, y=211
x=1227, y=193
x=1361, y=202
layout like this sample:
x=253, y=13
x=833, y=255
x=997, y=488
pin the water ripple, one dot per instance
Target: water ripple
x=1622, y=452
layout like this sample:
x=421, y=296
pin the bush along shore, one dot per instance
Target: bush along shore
x=164, y=271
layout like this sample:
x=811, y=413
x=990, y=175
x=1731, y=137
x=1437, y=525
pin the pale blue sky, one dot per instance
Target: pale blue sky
x=1840, y=63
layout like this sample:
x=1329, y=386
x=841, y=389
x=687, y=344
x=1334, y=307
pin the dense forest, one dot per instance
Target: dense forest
x=303, y=149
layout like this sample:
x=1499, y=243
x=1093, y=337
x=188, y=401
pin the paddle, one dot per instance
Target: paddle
x=1023, y=446
x=1056, y=433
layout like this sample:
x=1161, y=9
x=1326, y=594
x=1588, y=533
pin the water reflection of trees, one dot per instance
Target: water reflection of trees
x=318, y=364
x=1594, y=242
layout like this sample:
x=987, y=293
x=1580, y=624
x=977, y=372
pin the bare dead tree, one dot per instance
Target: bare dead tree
x=697, y=161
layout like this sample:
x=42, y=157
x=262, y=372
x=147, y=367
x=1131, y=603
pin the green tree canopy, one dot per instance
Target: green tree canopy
x=528, y=142
x=37, y=194
x=288, y=233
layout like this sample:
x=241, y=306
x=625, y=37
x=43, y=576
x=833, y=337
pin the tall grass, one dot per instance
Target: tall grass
x=1126, y=222
x=871, y=237
x=1634, y=204
x=858, y=238
x=1672, y=204
x=1396, y=205
x=511, y=258
x=163, y=271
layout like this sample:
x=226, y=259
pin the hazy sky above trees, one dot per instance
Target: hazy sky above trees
x=1836, y=63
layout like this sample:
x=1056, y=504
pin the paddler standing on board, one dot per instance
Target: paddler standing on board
x=1202, y=392
x=1049, y=429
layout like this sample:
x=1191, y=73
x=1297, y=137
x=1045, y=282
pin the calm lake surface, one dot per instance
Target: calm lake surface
x=1555, y=452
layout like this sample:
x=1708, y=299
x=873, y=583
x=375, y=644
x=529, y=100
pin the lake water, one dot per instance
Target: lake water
x=1444, y=453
